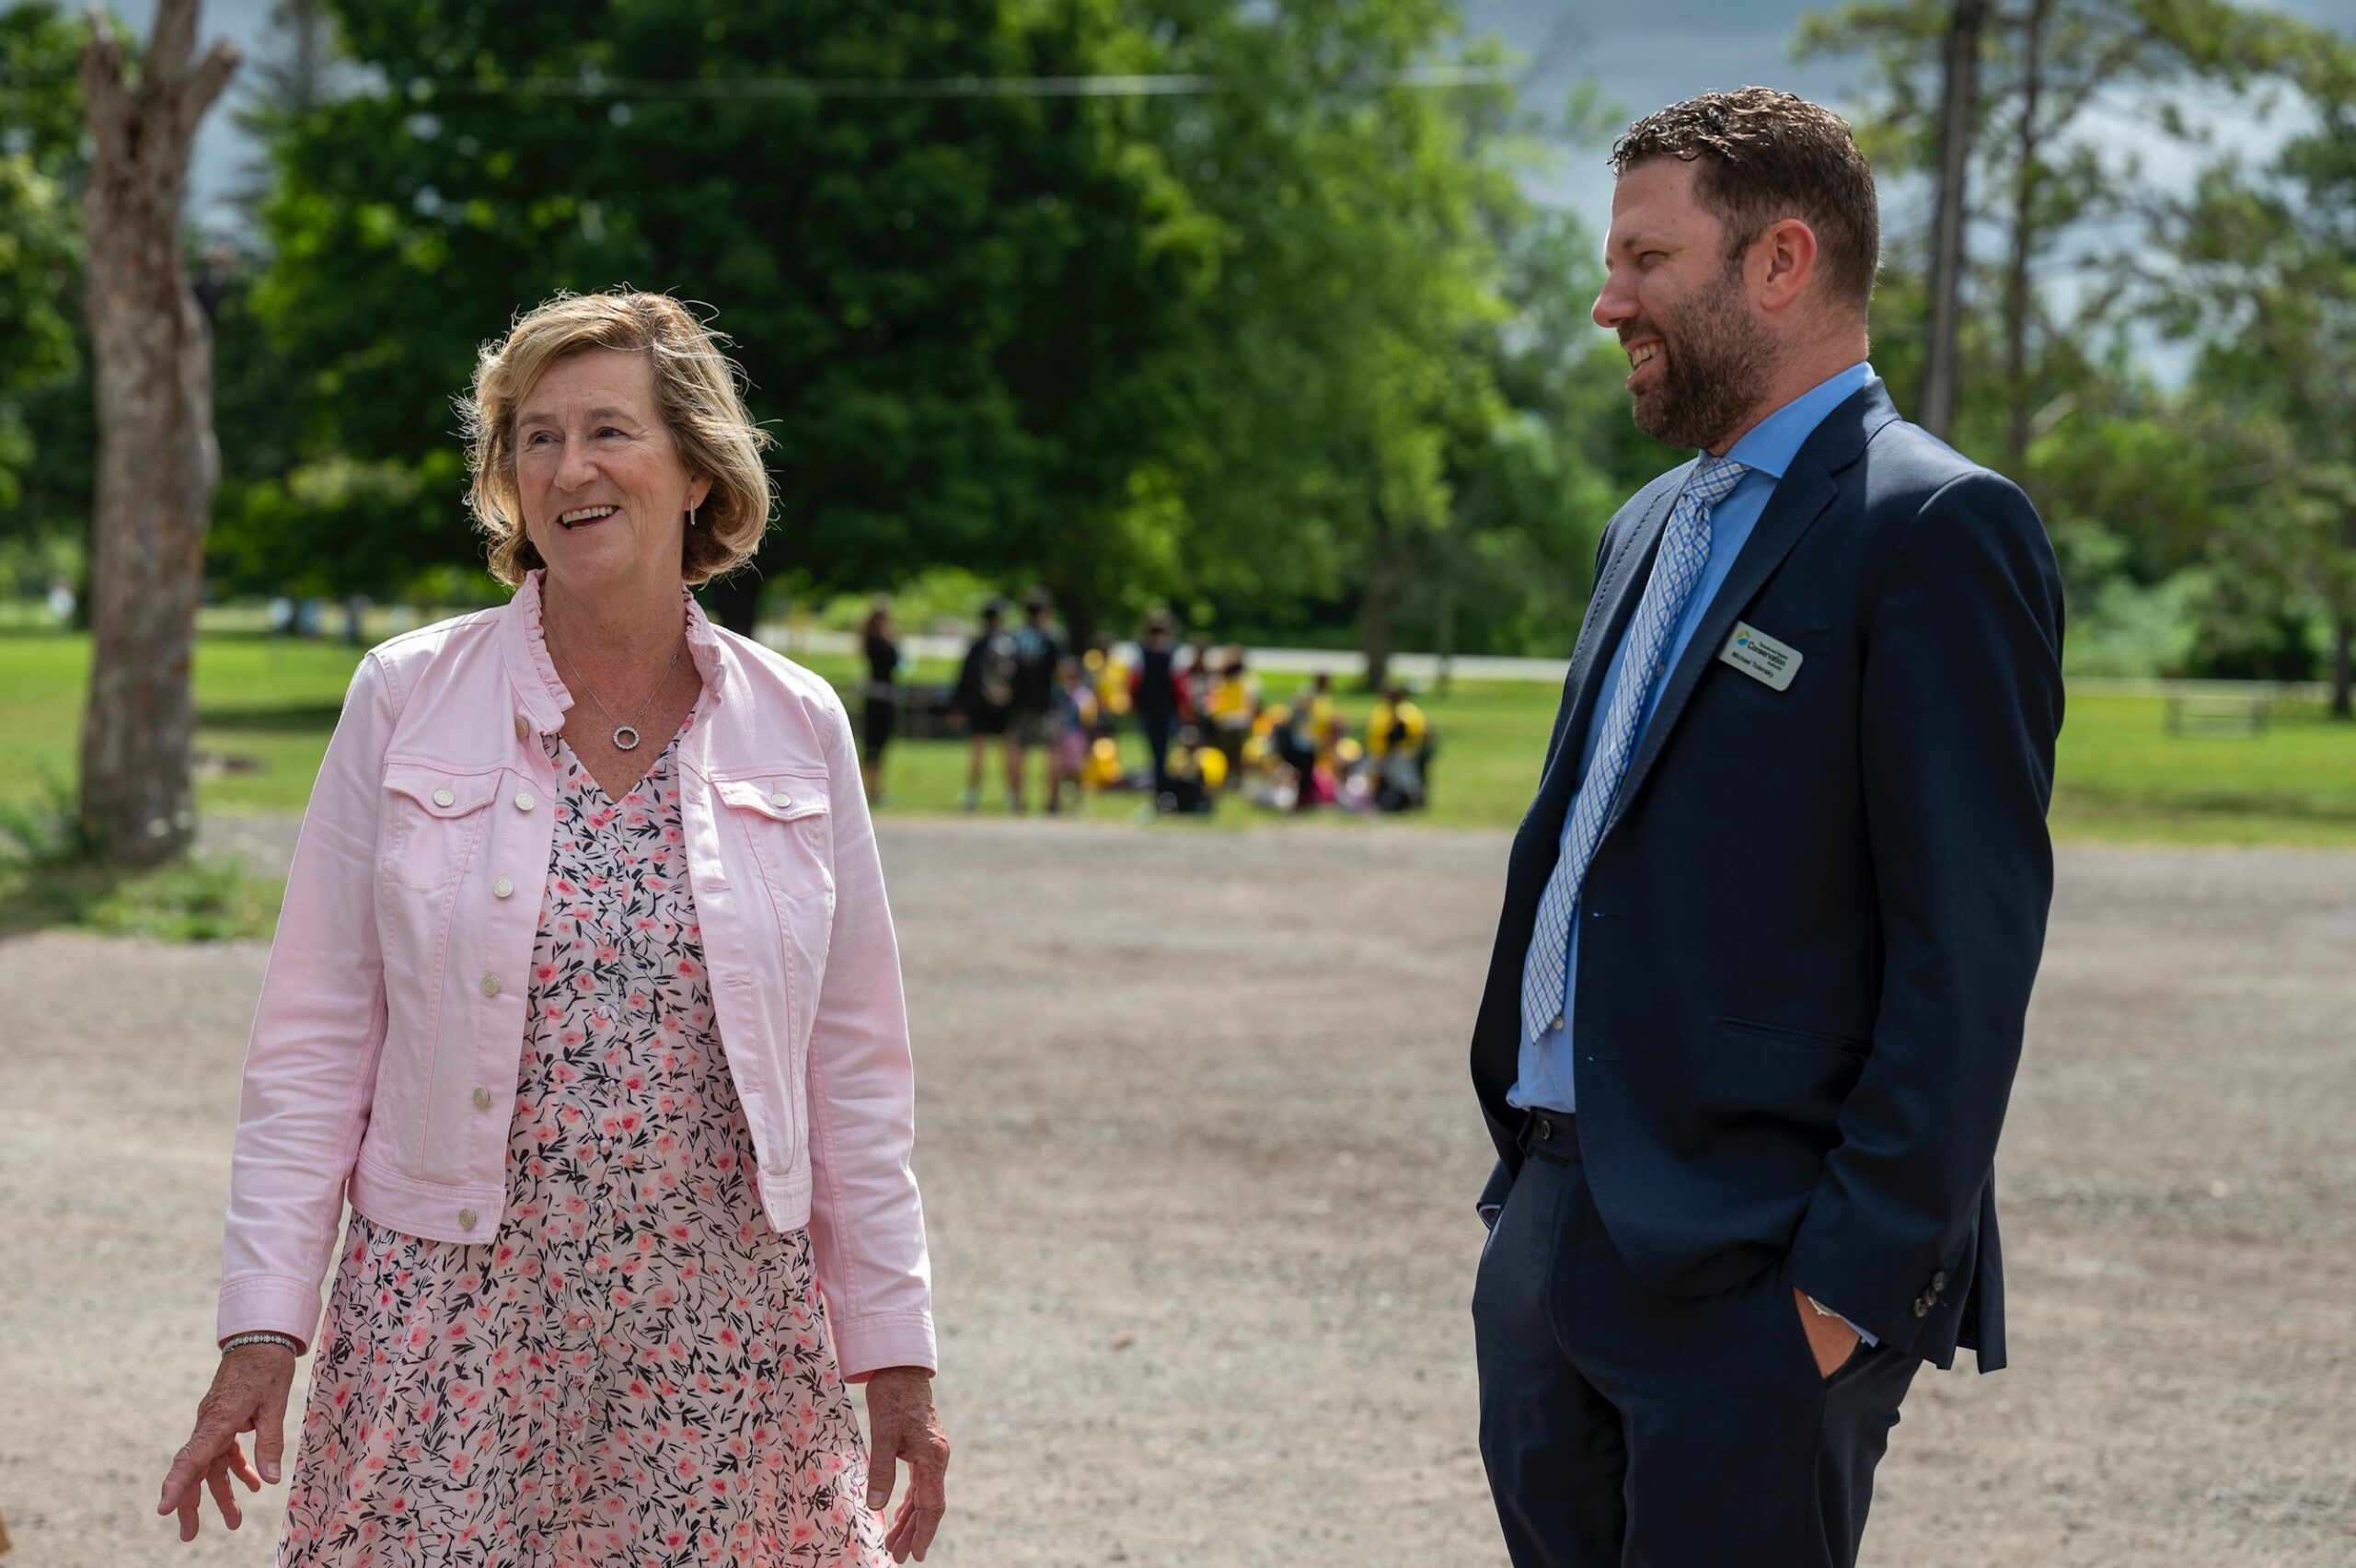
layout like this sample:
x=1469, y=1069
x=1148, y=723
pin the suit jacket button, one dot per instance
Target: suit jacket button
x=1921, y=1306
x=1938, y=1282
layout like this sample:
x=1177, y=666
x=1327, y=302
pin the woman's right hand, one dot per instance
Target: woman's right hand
x=248, y=1394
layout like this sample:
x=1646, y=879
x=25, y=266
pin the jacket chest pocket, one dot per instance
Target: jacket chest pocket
x=786, y=819
x=433, y=824
x=1797, y=721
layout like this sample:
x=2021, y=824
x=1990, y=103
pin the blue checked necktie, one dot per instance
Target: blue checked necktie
x=1684, y=551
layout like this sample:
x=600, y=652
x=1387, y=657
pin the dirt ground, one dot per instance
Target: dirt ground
x=1199, y=1157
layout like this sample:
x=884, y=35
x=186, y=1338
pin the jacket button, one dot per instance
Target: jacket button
x=490, y=985
x=465, y=1219
x=523, y=728
x=781, y=799
x=524, y=803
x=1938, y=1282
x=1921, y=1306
x=482, y=1100
x=502, y=888
x=443, y=797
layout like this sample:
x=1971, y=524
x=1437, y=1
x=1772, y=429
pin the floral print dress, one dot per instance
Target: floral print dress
x=635, y=1371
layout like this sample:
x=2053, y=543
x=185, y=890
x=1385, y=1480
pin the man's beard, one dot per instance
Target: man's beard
x=1719, y=362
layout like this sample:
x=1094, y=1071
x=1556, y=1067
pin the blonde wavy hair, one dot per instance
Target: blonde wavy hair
x=698, y=388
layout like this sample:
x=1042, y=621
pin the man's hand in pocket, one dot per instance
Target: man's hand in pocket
x=1833, y=1341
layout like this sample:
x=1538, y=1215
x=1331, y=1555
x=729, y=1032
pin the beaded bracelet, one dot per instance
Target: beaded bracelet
x=260, y=1338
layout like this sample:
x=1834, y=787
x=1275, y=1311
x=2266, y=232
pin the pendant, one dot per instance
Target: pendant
x=630, y=744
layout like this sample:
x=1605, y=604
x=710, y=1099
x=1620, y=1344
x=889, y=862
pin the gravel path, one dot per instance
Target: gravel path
x=1199, y=1158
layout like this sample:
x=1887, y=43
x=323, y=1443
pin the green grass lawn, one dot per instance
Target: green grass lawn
x=265, y=709
x=2123, y=777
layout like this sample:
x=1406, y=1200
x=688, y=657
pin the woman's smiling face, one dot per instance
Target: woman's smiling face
x=604, y=492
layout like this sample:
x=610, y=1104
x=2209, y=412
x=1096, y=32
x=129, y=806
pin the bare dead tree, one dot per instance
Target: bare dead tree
x=2029, y=173
x=157, y=462
x=1958, y=112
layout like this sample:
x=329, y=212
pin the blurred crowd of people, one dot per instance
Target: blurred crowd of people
x=1208, y=729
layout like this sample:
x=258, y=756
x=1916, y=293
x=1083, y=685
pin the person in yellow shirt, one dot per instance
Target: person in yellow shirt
x=1193, y=774
x=1302, y=734
x=1397, y=725
x=1071, y=717
x=1235, y=707
x=1318, y=705
x=1399, y=752
x=1108, y=673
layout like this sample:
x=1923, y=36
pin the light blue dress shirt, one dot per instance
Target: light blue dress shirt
x=1767, y=449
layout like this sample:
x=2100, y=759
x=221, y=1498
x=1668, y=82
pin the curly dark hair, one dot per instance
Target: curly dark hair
x=1764, y=155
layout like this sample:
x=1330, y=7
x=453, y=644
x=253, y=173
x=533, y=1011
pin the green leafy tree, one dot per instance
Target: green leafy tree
x=1333, y=371
x=42, y=168
x=1533, y=490
x=2268, y=280
x=2037, y=180
x=956, y=312
x=297, y=514
x=2138, y=482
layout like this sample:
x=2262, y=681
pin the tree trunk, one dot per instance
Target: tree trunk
x=2343, y=665
x=1941, y=375
x=2028, y=177
x=152, y=366
x=307, y=67
x=1376, y=610
x=1444, y=616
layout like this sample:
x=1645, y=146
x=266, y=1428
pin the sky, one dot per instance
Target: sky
x=1648, y=55
x=1642, y=56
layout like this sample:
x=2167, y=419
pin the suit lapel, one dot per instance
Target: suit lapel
x=1617, y=593
x=1807, y=488
x=1619, y=584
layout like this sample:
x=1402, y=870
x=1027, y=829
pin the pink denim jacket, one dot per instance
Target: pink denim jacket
x=389, y=1036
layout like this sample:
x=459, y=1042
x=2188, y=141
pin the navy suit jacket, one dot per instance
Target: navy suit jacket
x=1812, y=922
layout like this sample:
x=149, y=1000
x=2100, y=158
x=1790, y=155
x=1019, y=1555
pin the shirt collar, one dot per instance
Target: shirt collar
x=1771, y=445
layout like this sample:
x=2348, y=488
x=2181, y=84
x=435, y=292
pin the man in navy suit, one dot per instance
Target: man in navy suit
x=1770, y=924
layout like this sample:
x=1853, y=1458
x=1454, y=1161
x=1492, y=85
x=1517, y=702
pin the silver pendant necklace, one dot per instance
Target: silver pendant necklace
x=630, y=729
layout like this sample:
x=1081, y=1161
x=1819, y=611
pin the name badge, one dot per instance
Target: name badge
x=1761, y=657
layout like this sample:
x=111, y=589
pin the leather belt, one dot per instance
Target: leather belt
x=1555, y=1132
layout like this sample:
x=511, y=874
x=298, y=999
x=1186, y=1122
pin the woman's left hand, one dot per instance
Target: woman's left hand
x=903, y=1427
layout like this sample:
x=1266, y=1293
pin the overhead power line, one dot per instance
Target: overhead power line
x=593, y=85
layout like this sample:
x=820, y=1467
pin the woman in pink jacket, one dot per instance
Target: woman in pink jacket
x=586, y=996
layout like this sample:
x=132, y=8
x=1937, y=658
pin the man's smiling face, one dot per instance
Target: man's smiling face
x=1699, y=357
